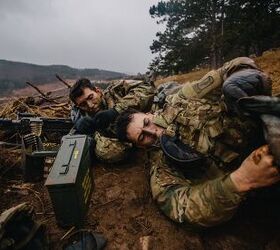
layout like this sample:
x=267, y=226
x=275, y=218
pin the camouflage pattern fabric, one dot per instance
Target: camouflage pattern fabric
x=211, y=198
x=202, y=202
x=204, y=125
x=198, y=116
x=162, y=91
x=121, y=95
x=129, y=94
x=110, y=150
x=209, y=84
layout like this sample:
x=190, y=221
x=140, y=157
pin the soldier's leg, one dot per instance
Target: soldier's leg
x=203, y=204
x=246, y=82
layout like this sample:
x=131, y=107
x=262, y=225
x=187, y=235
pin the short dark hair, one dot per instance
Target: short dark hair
x=122, y=122
x=77, y=89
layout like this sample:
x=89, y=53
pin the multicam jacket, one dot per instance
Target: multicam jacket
x=120, y=96
x=209, y=198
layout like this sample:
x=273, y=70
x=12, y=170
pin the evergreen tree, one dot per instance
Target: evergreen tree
x=197, y=31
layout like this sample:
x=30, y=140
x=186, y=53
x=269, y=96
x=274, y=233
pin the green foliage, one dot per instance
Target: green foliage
x=198, y=32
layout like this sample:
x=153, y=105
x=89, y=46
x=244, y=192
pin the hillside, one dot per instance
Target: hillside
x=13, y=75
x=121, y=205
x=269, y=62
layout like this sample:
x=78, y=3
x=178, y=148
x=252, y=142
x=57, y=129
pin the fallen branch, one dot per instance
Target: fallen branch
x=64, y=82
x=42, y=94
x=60, y=105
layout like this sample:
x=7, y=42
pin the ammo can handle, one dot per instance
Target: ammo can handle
x=65, y=166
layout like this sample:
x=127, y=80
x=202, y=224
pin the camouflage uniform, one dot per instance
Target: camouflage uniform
x=198, y=116
x=120, y=96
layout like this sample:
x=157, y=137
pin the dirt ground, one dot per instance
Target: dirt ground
x=123, y=211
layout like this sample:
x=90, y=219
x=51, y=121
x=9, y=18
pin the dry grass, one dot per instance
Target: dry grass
x=27, y=105
x=269, y=63
x=183, y=78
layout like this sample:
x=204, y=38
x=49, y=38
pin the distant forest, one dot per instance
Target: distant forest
x=210, y=32
x=13, y=75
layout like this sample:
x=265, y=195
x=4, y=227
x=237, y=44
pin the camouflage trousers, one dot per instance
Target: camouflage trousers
x=198, y=203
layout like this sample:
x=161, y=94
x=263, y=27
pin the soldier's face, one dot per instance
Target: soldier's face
x=142, y=131
x=90, y=100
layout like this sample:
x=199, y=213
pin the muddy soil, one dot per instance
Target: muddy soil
x=123, y=211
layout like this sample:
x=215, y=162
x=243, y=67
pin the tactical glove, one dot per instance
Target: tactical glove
x=85, y=125
x=103, y=119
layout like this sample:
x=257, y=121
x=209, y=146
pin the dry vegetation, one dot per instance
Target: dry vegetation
x=269, y=62
x=121, y=206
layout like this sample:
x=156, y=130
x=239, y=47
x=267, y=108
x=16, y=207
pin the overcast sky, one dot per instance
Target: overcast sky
x=105, y=34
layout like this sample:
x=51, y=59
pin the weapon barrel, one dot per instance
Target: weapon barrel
x=8, y=124
x=50, y=125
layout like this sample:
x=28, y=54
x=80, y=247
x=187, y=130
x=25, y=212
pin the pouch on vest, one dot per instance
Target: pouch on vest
x=165, y=90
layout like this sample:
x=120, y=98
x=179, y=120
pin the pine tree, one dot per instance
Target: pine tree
x=212, y=31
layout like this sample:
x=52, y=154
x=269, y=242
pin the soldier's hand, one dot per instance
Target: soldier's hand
x=85, y=125
x=256, y=171
x=103, y=119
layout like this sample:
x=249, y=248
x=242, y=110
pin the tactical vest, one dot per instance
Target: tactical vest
x=203, y=122
x=115, y=92
x=204, y=125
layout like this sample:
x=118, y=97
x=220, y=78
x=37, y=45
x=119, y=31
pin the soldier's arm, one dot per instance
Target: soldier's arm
x=203, y=204
x=214, y=201
x=200, y=88
x=139, y=96
x=215, y=78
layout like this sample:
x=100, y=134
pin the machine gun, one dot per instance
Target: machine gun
x=30, y=123
x=33, y=132
x=70, y=181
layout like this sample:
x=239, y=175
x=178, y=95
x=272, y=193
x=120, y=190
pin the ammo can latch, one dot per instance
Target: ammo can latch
x=65, y=165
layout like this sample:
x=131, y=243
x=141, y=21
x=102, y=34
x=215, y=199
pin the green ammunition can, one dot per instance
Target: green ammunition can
x=70, y=181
